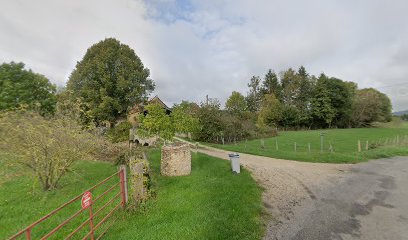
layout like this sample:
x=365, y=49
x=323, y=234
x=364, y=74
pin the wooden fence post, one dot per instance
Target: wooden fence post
x=295, y=147
x=366, y=147
x=308, y=146
x=276, y=144
x=359, y=146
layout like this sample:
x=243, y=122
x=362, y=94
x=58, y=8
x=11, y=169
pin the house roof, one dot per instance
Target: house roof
x=157, y=100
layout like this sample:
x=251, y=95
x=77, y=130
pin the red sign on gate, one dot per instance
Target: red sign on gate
x=86, y=200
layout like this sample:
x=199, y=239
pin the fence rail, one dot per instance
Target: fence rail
x=121, y=194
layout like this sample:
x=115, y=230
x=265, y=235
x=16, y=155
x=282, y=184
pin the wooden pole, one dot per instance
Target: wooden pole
x=308, y=146
x=295, y=147
x=276, y=144
x=366, y=147
x=359, y=146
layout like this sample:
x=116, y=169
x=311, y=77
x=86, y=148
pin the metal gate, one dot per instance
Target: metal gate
x=87, y=204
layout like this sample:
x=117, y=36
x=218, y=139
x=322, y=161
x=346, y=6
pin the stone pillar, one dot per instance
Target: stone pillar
x=176, y=160
x=138, y=177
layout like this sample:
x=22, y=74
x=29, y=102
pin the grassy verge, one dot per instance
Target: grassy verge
x=382, y=142
x=211, y=203
x=22, y=201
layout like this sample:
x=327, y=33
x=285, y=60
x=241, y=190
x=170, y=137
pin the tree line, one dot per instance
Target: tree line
x=110, y=79
x=292, y=100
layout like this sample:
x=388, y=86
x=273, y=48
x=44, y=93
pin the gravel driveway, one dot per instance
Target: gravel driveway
x=331, y=201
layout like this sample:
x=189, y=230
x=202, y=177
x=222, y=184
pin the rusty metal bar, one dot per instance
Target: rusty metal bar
x=27, y=230
x=62, y=224
x=77, y=229
x=108, y=215
x=107, y=203
x=107, y=228
x=28, y=234
x=84, y=223
x=91, y=225
x=103, y=220
x=106, y=192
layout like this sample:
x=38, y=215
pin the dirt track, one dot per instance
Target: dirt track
x=287, y=183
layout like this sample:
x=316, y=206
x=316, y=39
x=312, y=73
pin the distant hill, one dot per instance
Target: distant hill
x=400, y=113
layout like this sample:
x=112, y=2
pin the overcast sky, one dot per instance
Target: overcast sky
x=194, y=48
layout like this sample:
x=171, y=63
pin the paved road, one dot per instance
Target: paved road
x=369, y=202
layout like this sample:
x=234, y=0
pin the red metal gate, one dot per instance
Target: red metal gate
x=93, y=226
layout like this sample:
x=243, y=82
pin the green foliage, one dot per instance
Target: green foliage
x=254, y=96
x=47, y=146
x=210, y=121
x=74, y=108
x=20, y=87
x=271, y=84
x=322, y=110
x=119, y=133
x=110, y=79
x=404, y=117
x=184, y=118
x=158, y=123
x=236, y=104
x=370, y=105
x=270, y=113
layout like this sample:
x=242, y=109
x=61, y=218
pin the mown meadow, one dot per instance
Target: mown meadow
x=339, y=145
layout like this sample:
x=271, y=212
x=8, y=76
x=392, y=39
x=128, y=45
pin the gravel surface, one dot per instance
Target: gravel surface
x=320, y=201
x=287, y=183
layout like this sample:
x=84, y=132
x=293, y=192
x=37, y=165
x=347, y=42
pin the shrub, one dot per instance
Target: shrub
x=120, y=133
x=50, y=146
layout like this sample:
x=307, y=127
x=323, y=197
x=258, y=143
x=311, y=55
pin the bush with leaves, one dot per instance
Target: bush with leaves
x=49, y=147
x=157, y=123
x=119, y=133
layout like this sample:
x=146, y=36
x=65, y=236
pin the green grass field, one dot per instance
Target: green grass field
x=22, y=200
x=211, y=203
x=344, y=144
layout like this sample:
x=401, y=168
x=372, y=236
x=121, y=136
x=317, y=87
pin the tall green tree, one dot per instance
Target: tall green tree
x=110, y=79
x=322, y=111
x=210, y=121
x=254, y=96
x=21, y=87
x=370, y=105
x=341, y=99
x=270, y=113
x=236, y=104
x=271, y=85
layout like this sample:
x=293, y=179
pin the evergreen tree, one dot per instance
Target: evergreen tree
x=254, y=96
x=271, y=84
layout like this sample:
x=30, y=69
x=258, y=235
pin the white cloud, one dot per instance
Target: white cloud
x=194, y=48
